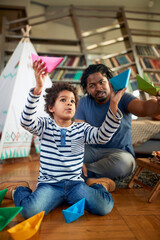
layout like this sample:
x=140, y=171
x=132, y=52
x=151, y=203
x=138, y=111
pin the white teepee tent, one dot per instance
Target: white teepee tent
x=16, y=80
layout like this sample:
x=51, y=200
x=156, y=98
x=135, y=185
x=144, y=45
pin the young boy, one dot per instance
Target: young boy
x=62, y=151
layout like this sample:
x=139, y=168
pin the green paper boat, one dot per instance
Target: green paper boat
x=7, y=214
x=2, y=194
x=146, y=86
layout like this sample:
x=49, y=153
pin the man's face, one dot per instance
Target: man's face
x=98, y=87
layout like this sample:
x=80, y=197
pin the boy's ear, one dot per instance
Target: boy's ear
x=51, y=109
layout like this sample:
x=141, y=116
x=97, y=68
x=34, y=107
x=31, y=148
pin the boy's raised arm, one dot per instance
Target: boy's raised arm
x=115, y=98
x=40, y=71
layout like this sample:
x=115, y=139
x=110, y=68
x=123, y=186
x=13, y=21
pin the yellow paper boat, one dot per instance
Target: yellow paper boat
x=27, y=228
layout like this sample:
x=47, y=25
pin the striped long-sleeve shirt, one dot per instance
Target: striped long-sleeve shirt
x=62, y=149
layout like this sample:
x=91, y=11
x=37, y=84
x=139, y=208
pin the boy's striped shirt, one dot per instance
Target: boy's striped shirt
x=62, y=149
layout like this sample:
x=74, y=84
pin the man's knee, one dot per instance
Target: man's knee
x=115, y=165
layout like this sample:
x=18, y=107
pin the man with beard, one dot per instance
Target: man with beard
x=115, y=159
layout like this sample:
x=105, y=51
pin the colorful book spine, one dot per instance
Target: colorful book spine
x=78, y=75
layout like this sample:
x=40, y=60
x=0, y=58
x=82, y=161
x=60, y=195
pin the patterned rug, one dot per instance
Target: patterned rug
x=146, y=177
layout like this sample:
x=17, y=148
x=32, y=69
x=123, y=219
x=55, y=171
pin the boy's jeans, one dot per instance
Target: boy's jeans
x=49, y=196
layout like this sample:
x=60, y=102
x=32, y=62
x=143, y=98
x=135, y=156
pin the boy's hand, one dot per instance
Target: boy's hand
x=40, y=71
x=115, y=98
x=84, y=170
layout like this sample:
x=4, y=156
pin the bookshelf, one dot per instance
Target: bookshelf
x=70, y=69
x=118, y=52
x=145, y=34
x=149, y=59
x=126, y=48
x=112, y=40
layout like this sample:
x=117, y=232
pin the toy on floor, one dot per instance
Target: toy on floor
x=121, y=80
x=27, y=228
x=2, y=194
x=51, y=62
x=156, y=156
x=75, y=211
x=7, y=214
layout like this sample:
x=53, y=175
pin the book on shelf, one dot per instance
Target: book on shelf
x=54, y=74
x=114, y=62
x=66, y=75
x=108, y=63
x=157, y=47
x=76, y=62
x=63, y=61
x=60, y=74
x=149, y=63
x=71, y=60
x=82, y=61
x=157, y=53
x=133, y=71
x=155, y=63
x=145, y=62
x=78, y=75
x=133, y=85
x=71, y=75
x=146, y=50
x=157, y=75
x=123, y=59
x=153, y=77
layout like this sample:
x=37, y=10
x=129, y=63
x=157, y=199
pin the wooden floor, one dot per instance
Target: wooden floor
x=131, y=218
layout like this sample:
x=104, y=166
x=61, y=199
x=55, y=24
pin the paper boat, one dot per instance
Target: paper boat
x=27, y=228
x=75, y=211
x=7, y=214
x=121, y=80
x=2, y=194
x=146, y=86
x=51, y=62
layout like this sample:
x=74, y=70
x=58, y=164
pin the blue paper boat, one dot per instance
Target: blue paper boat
x=75, y=211
x=121, y=80
x=7, y=214
x=2, y=194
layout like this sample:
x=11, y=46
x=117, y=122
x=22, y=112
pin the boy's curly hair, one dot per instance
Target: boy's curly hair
x=53, y=92
x=93, y=68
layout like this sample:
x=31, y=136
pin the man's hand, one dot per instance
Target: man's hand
x=158, y=97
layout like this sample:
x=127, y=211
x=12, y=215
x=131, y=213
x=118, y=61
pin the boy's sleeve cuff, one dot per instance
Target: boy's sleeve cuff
x=119, y=114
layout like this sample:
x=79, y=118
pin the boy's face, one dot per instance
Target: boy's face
x=64, y=107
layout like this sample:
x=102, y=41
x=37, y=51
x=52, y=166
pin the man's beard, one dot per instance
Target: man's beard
x=102, y=99
x=98, y=100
